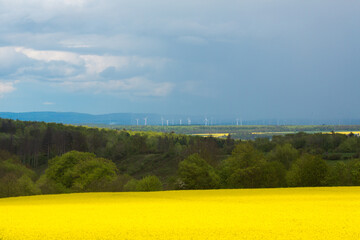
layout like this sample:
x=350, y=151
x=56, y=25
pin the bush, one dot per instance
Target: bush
x=118, y=184
x=149, y=183
x=16, y=179
x=131, y=186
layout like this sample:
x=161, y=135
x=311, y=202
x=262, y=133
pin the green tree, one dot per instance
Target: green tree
x=308, y=170
x=16, y=179
x=286, y=154
x=264, y=144
x=350, y=145
x=354, y=172
x=339, y=175
x=196, y=173
x=243, y=169
x=78, y=171
x=273, y=174
x=26, y=186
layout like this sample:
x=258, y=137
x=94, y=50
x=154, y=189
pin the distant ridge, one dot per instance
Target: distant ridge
x=162, y=119
x=109, y=119
x=80, y=118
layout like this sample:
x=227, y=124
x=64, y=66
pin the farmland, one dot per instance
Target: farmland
x=217, y=135
x=287, y=213
x=239, y=132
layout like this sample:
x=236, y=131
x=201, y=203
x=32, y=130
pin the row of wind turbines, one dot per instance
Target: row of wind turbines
x=163, y=121
x=167, y=122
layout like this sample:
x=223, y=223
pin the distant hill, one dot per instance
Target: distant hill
x=83, y=118
x=114, y=118
x=163, y=119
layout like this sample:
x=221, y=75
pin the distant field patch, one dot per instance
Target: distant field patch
x=275, y=133
x=216, y=135
x=310, y=132
x=290, y=213
x=348, y=132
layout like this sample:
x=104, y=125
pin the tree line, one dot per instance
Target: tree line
x=37, y=157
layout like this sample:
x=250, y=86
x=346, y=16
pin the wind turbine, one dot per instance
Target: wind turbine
x=162, y=121
x=189, y=121
x=206, y=121
x=145, y=119
x=180, y=122
x=137, y=122
x=167, y=122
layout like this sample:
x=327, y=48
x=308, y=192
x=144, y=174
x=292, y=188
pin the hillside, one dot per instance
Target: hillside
x=38, y=157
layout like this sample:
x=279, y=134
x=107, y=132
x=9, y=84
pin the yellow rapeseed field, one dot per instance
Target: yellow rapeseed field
x=215, y=135
x=283, y=133
x=293, y=213
x=260, y=133
x=348, y=132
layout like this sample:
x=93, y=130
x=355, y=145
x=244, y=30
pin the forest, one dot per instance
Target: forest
x=49, y=158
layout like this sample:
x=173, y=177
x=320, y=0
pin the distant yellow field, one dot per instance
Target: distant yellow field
x=259, y=133
x=348, y=132
x=216, y=135
x=344, y=132
x=293, y=213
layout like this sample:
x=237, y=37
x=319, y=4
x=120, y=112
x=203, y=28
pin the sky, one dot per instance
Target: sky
x=252, y=59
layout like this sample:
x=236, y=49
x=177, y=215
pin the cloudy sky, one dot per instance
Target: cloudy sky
x=250, y=58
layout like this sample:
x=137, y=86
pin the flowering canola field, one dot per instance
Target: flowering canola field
x=292, y=213
x=215, y=135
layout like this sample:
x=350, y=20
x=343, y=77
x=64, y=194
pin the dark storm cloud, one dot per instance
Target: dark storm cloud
x=258, y=58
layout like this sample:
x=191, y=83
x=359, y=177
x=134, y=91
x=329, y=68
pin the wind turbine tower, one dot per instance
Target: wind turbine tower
x=145, y=121
x=137, y=122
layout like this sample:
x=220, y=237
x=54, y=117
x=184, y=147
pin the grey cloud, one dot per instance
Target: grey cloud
x=113, y=73
x=54, y=70
x=6, y=87
x=11, y=61
x=86, y=72
x=192, y=40
x=254, y=54
x=136, y=86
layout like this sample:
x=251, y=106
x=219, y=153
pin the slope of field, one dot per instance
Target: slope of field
x=298, y=213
